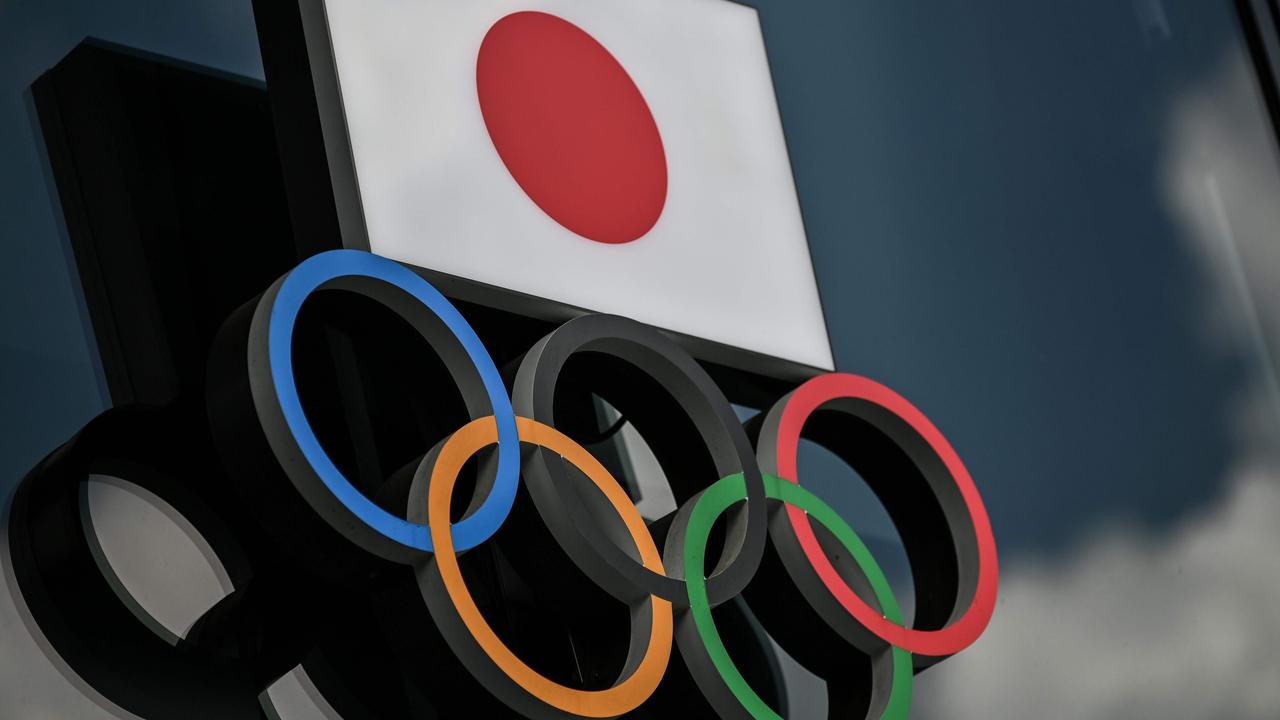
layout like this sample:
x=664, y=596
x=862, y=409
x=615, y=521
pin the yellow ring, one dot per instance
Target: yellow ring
x=640, y=684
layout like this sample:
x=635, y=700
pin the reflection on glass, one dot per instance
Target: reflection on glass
x=160, y=566
x=295, y=697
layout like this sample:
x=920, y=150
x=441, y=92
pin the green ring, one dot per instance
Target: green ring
x=709, y=506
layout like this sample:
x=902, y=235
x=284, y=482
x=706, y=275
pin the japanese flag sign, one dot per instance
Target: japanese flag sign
x=621, y=156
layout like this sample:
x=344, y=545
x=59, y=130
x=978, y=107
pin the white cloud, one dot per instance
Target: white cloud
x=1183, y=623
x=1184, y=626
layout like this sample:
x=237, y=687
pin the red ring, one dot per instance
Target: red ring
x=936, y=643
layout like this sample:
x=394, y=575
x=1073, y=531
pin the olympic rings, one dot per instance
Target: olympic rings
x=697, y=634
x=317, y=479
x=965, y=517
x=450, y=602
x=635, y=364
x=705, y=453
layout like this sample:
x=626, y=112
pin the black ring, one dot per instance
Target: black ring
x=713, y=428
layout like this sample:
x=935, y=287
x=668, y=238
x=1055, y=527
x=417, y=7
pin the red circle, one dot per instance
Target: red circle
x=571, y=127
x=935, y=643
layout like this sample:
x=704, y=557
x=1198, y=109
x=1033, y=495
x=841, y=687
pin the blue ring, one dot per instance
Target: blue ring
x=297, y=286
